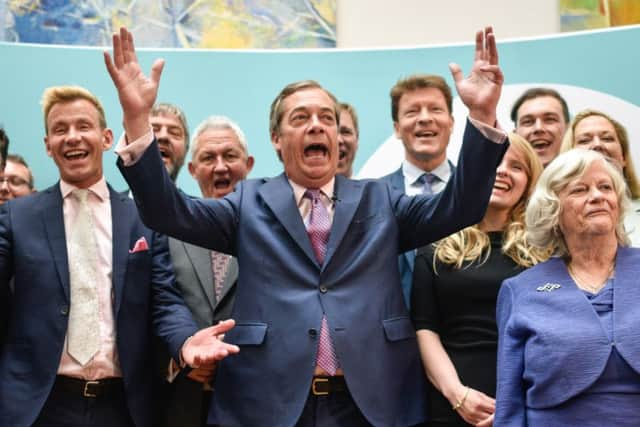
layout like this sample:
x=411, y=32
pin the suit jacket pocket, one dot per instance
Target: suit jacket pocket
x=247, y=334
x=398, y=328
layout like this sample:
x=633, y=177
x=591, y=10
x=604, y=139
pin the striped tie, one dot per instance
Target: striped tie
x=318, y=228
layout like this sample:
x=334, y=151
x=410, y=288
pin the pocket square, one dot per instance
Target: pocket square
x=141, y=245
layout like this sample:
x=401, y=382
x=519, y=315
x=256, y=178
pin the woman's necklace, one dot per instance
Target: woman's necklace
x=594, y=289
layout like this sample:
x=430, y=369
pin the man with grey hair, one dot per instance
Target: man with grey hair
x=206, y=279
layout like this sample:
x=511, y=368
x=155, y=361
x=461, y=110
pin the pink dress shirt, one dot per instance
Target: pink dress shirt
x=105, y=363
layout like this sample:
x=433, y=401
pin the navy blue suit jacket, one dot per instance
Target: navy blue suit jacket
x=551, y=345
x=33, y=250
x=282, y=291
x=406, y=261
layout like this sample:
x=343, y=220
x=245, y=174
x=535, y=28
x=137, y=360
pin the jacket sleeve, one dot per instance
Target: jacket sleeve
x=424, y=219
x=6, y=271
x=172, y=320
x=510, y=391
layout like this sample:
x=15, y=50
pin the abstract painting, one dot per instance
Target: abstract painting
x=224, y=24
x=576, y=15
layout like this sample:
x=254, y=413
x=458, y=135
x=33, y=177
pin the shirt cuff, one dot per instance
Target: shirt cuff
x=492, y=133
x=172, y=371
x=130, y=152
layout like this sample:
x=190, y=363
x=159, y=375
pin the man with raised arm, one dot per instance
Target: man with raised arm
x=324, y=333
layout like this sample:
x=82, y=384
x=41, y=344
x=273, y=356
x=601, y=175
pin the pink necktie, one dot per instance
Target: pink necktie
x=318, y=228
x=219, y=263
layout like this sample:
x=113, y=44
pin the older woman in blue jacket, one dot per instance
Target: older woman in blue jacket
x=569, y=328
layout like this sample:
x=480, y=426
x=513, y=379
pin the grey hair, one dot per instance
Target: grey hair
x=218, y=122
x=543, y=211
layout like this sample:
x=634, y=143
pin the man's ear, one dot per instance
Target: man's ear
x=47, y=146
x=107, y=139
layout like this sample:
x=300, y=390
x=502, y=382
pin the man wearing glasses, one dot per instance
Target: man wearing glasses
x=17, y=179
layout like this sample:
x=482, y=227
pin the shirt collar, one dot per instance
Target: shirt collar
x=100, y=189
x=412, y=172
x=298, y=190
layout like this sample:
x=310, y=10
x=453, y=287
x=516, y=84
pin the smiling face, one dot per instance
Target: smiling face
x=172, y=142
x=306, y=139
x=589, y=205
x=541, y=122
x=511, y=181
x=219, y=162
x=15, y=181
x=424, y=125
x=347, y=144
x=598, y=134
x=75, y=140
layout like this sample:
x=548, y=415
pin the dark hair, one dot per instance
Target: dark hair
x=17, y=158
x=538, y=92
x=4, y=147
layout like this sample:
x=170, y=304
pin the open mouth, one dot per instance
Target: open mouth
x=221, y=184
x=425, y=134
x=76, y=154
x=316, y=150
x=540, y=144
x=164, y=152
x=499, y=185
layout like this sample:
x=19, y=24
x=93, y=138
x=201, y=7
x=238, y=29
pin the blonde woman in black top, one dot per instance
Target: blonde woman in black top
x=455, y=286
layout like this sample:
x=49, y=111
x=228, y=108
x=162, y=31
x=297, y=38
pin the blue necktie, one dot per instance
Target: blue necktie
x=427, y=180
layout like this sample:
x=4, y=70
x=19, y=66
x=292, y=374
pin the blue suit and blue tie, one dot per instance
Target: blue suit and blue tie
x=33, y=250
x=283, y=291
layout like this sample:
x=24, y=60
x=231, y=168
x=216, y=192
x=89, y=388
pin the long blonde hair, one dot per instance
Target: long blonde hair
x=471, y=243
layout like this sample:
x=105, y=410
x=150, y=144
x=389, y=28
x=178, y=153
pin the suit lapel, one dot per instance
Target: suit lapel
x=348, y=194
x=278, y=195
x=229, y=279
x=53, y=217
x=397, y=180
x=201, y=261
x=122, y=219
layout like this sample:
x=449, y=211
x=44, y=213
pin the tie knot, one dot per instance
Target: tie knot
x=313, y=194
x=427, y=178
x=81, y=194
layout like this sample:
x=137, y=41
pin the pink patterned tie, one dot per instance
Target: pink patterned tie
x=318, y=228
x=219, y=264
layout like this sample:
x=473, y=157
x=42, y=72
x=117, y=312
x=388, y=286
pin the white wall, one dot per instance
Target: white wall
x=376, y=23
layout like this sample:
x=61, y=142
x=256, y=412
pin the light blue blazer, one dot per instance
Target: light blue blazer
x=551, y=344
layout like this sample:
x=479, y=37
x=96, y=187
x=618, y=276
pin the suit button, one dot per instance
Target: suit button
x=323, y=289
x=312, y=333
x=64, y=310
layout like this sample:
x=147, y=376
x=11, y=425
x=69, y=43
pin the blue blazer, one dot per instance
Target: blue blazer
x=282, y=291
x=407, y=260
x=33, y=250
x=551, y=345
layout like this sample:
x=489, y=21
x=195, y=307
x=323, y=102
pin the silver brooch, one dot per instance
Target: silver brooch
x=548, y=287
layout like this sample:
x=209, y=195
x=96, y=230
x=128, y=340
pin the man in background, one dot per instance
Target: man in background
x=421, y=109
x=169, y=125
x=348, y=134
x=16, y=180
x=541, y=116
x=206, y=279
x=4, y=147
